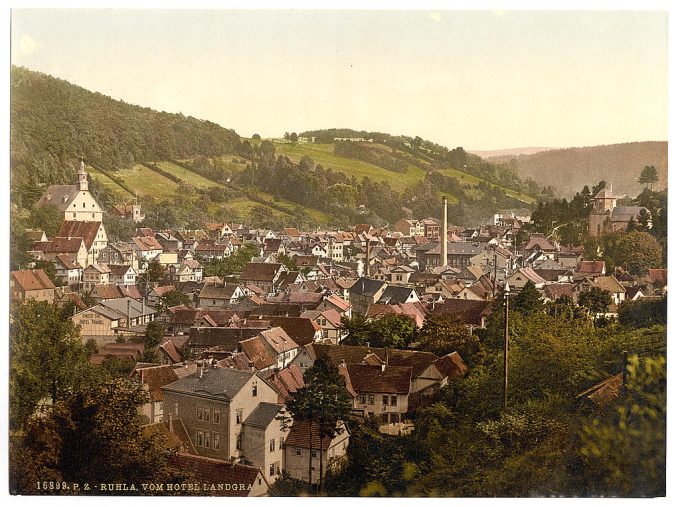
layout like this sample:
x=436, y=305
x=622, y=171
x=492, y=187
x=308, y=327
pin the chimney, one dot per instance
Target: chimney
x=368, y=256
x=200, y=369
x=128, y=313
x=444, y=233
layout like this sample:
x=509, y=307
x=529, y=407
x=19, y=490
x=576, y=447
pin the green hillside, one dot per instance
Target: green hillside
x=186, y=171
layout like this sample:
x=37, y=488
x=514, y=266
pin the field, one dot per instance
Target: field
x=323, y=154
x=194, y=179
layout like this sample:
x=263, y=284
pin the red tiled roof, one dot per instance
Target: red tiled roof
x=157, y=377
x=32, y=279
x=299, y=436
x=77, y=229
x=451, y=365
x=256, y=350
x=214, y=471
x=260, y=271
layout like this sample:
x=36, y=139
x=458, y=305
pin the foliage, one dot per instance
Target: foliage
x=648, y=176
x=528, y=300
x=172, y=298
x=153, y=336
x=50, y=270
x=643, y=312
x=46, y=218
x=93, y=436
x=636, y=252
x=596, y=300
x=445, y=333
x=624, y=450
x=230, y=265
x=391, y=331
x=155, y=272
x=47, y=359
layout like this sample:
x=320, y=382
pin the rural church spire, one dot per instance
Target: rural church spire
x=82, y=176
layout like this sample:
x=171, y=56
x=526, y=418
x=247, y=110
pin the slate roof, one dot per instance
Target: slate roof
x=366, y=286
x=79, y=229
x=59, y=196
x=221, y=383
x=214, y=471
x=395, y=294
x=625, y=213
x=376, y=379
x=32, y=279
x=263, y=415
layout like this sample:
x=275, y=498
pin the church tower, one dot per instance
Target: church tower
x=603, y=205
x=82, y=177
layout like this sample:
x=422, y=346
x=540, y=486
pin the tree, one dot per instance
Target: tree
x=293, y=137
x=172, y=298
x=47, y=218
x=47, y=359
x=155, y=272
x=595, y=300
x=648, y=176
x=50, y=270
x=392, y=331
x=624, y=451
x=358, y=329
x=153, y=336
x=323, y=402
x=444, y=333
x=528, y=300
x=93, y=436
x=636, y=252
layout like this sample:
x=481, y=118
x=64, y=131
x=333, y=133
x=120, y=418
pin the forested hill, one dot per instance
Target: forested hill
x=54, y=122
x=567, y=169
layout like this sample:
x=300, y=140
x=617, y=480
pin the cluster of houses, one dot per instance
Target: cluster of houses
x=234, y=354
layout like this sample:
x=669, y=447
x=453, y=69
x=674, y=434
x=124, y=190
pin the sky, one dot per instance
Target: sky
x=483, y=80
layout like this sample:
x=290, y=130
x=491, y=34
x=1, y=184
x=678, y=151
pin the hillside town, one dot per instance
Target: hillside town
x=230, y=352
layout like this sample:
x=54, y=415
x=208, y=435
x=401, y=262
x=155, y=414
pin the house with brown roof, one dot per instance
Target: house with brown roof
x=122, y=274
x=286, y=381
x=539, y=243
x=270, y=348
x=74, y=201
x=67, y=268
x=95, y=274
x=329, y=322
x=261, y=274
x=517, y=280
x=590, y=269
x=119, y=254
x=222, y=478
x=30, y=284
x=146, y=249
x=323, y=452
x=50, y=250
x=93, y=233
x=220, y=295
x=381, y=390
x=472, y=313
x=152, y=378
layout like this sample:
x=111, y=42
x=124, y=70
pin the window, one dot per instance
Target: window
x=206, y=439
x=362, y=398
x=384, y=399
x=313, y=454
x=254, y=389
x=199, y=439
x=239, y=416
x=206, y=414
x=371, y=399
x=216, y=441
x=216, y=416
x=272, y=469
x=199, y=414
x=272, y=445
x=393, y=401
x=280, y=442
x=239, y=442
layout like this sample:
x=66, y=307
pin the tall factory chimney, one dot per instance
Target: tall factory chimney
x=444, y=233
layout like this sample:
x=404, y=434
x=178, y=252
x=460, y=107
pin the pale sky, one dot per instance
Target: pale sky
x=481, y=80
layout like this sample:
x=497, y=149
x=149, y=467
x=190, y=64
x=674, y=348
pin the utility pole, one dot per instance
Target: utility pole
x=506, y=296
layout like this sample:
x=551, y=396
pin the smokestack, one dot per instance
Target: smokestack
x=443, y=233
x=368, y=256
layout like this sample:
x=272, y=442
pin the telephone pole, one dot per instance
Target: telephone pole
x=506, y=296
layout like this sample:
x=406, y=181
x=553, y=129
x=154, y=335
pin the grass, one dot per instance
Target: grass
x=323, y=154
x=190, y=177
x=148, y=182
x=119, y=192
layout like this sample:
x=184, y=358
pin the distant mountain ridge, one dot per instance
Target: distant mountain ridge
x=569, y=169
x=511, y=152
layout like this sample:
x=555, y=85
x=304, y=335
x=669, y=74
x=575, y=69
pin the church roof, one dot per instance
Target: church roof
x=605, y=193
x=59, y=196
x=79, y=229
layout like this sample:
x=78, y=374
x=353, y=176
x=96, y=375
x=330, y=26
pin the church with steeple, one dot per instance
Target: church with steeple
x=607, y=217
x=75, y=201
